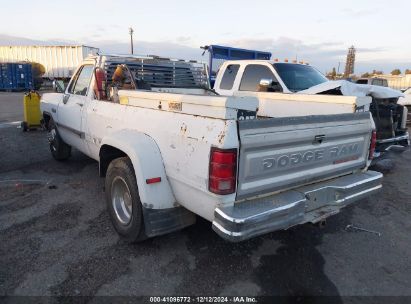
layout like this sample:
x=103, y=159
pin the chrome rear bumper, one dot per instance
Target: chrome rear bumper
x=404, y=137
x=311, y=203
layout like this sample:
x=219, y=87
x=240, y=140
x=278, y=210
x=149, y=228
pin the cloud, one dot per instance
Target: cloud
x=96, y=35
x=371, y=50
x=115, y=26
x=183, y=39
x=100, y=29
x=324, y=56
x=12, y=40
x=329, y=44
x=360, y=13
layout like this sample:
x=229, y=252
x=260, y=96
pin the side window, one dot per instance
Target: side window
x=229, y=76
x=377, y=82
x=81, y=82
x=253, y=73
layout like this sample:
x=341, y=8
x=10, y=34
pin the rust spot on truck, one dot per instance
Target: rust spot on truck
x=221, y=137
x=222, y=134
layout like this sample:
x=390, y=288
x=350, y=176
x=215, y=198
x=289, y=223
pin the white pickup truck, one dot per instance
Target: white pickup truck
x=167, y=157
x=292, y=89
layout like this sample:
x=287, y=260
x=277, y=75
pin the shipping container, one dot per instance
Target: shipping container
x=16, y=76
x=59, y=61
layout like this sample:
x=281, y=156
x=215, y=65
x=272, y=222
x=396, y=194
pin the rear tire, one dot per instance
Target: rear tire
x=123, y=200
x=58, y=148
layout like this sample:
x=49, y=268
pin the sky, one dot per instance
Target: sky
x=317, y=31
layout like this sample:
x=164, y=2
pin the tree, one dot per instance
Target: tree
x=375, y=72
x=334, y=73
x=396, y=72
x=38, y=71
x=407, y=71
x=365, y=75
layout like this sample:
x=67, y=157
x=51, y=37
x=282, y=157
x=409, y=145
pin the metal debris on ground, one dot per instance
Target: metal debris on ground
x=362, y=229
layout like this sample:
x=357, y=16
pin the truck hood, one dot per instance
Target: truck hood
x=348, y=88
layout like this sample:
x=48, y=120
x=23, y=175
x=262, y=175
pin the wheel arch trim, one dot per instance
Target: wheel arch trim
x=147, y=162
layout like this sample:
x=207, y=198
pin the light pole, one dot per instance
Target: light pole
x=131, y=31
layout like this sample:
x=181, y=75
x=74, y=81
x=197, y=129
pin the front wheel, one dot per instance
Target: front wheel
x=58, y=148
x=123, y=200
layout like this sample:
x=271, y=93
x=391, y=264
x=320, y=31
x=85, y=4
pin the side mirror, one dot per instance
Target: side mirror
x=269, y=85
x=266, y=82
x=58, y=86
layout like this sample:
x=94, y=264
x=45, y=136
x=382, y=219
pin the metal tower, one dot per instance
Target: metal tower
x=350, y=62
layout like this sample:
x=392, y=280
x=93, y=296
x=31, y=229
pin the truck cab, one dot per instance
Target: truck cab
x=266, y=76
x=295, y=89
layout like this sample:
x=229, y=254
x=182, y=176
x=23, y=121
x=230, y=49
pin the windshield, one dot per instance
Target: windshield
x=298, y=77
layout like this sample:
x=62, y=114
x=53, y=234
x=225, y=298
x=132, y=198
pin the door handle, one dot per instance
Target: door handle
x=66, y=98
x=79, y=104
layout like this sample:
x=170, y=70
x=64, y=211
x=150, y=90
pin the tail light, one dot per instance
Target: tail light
x=100, y=83
x=372, y=144
x=223, y=170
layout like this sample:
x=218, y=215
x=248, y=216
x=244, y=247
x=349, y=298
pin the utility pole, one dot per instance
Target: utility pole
x=131, y=31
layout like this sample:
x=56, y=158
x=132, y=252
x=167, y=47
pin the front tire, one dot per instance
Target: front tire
x=123, y=200
x=58, y=148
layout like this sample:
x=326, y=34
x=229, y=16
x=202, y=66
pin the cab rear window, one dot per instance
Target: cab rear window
x=229, y=76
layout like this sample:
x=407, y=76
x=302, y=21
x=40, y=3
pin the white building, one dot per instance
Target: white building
x=59, y=61
x=399, y=82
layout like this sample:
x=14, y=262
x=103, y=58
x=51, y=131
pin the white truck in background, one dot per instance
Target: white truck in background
x=406, y=102
x=171, y=149
x=292, y=89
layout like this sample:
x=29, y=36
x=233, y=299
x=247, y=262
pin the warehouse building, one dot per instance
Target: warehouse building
x=398, y=82
x=59, y=61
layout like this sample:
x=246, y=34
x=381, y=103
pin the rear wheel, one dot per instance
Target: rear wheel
x=58, y=148
x=123, y=200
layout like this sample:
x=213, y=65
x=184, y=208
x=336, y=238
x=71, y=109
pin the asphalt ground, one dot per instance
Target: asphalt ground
x=56, y=238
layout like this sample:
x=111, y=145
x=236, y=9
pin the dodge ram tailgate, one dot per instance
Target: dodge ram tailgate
x=277, y=154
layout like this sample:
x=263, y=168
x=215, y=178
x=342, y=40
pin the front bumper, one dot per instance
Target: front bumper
x=311, y=203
